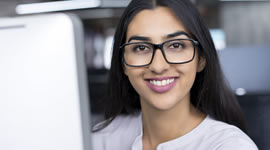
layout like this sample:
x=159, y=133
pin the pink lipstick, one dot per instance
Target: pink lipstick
x=161, y=85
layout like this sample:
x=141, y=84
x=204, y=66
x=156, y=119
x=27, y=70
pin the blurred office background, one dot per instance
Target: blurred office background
x=241, y=32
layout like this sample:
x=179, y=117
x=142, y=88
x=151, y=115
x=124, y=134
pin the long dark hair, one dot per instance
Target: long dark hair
x=209, y=93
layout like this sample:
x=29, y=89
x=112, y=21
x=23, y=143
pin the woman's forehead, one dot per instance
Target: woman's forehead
x=155, y=23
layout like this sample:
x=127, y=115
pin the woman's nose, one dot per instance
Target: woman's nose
x=159, y=65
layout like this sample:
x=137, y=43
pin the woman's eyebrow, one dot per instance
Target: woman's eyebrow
x=144, y=38
x=178, y=33
x=140, y=38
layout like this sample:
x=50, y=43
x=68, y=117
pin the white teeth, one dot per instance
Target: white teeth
x=162, y=82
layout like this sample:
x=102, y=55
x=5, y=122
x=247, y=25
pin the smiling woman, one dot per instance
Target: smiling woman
x=166, y=89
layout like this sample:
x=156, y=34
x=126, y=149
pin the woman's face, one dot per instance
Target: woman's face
x=161, y=86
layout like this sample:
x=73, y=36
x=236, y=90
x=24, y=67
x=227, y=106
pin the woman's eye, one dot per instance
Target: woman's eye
x=176, y=45
x=140, y=48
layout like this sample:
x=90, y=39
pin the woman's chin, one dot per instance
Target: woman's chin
x=161, y=105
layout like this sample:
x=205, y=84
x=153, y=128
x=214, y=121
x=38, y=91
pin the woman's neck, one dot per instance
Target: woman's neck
x=164, y=125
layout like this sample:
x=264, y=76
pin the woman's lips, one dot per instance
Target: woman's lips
x=161, y=85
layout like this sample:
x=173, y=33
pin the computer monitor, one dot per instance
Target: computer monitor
x=247, y=69
x=43, y=87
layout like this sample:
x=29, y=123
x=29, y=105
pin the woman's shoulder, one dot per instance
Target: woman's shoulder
x=222, y=129
x=123, y=128
x=226, y=136
x=121, y=122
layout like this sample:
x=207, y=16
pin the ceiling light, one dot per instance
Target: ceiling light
x=56, y=6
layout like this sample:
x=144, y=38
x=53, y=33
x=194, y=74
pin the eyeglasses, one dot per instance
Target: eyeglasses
x=176, y=51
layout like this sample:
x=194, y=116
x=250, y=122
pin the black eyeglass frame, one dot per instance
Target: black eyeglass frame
x=160, y=47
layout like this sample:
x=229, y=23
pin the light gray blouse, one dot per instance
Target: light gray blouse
x=125, y=133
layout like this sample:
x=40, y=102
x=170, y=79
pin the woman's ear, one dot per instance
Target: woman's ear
x=201, y=64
